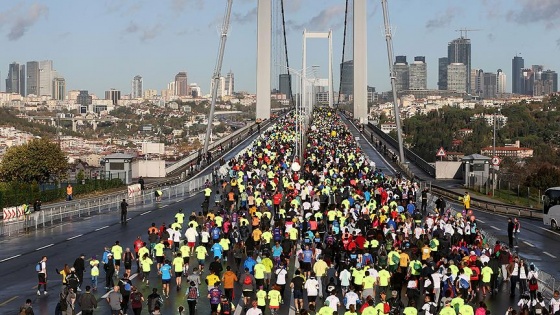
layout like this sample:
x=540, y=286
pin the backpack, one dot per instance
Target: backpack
x=23, y=310
x=38, y=267
x=417, y=266
x=247, y=280
x=226, y=308
x=155, y=301
x=62, y=302
x=193, y=293
x=386, y=308
x=395, y=259
x=432, y=309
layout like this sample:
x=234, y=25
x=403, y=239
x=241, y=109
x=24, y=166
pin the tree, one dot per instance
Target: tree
x=40, y=160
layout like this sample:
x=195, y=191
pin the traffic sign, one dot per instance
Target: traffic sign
x=441, y=152
x=496, y=161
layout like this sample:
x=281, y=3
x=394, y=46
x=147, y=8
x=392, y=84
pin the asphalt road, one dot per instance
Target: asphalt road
x=64, y=242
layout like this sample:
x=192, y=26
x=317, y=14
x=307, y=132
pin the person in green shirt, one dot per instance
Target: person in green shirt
x=259, y=271
x=146, y=264
x=466, y=309
x=327, y=310
x=261, y=299
x=178, y=266
x=383, y=277
x=486, y=273
x=447, y=310
x=411, y=308
x=201, y=254
x=158, y=249
x=275, y=299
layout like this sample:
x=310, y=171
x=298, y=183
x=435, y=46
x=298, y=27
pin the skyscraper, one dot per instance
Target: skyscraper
x=517, y=65
x=181, y=85
x=477, y=82
x=33, y=78
x=502, y=82
x=456, y=77
x=418, y=74
x=401, y=73
x=284, y=80
x=114, y=95
x=15, y=83
x=137, y=87
x=59, y=88
x=459, y=51
x=229, y=83
x=489, y=82
x=550, y=78
x=46, y=77
x=84, y=100
x=347, y=78
x=443, y=62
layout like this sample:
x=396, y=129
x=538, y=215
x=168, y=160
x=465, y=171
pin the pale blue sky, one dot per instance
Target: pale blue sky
x=102, y=44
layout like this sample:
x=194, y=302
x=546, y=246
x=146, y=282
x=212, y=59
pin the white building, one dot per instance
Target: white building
x=457, y=77
x=502, y=82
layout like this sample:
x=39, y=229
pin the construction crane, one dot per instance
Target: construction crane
x=466, y=31
x=389, y=40
x=217, y=71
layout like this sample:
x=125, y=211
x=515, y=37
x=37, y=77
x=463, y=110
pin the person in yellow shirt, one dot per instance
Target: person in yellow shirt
x=146, y=264
x=201, y=254
x=486, y=273
x=117, y=251
x=185, y=252
x=177, y=264
x=261, y=299
x=368, y=284
x=259, y=271
x=404, y=259
x=212, y=279
x=383, y=277
x=320, y=269
x=411, y=308
x=268, y=265
x=274, y=299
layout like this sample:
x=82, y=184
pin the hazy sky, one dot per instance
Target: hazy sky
x=102, y=44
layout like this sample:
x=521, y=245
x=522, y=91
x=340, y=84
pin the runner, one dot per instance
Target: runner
x=41, y=269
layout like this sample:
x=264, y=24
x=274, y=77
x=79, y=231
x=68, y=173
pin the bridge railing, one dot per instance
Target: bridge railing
x=104, y=204
x=408, y=154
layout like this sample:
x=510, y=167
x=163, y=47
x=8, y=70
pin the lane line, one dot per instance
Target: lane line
x=164, y=206
x=101, y=228
x=549, y=230
x=128, y=219
x=549, y=254
x=144, y=213
x=6, y=259
x=495, y=228
x=73, y=237
x=527, y=243
x=43, y=247
x=9, y=300
x=104, y=296
x=480, y=221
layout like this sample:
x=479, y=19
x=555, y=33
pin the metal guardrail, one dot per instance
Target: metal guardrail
x=108, y=203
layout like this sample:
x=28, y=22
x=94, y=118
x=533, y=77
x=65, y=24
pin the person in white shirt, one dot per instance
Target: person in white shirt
x=333, y=301
x=554, y=305
x=254, y=310
x=429, y=307
x=351, y=298
x=312, y=287
x=344, y=278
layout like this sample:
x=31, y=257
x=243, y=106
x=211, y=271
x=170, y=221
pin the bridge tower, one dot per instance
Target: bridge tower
x=360, y=60
x=264, y=52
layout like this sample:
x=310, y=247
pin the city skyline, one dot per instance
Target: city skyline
x=131, y=38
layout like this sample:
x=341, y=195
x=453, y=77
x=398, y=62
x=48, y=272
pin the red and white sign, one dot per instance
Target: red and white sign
x=441, y=152
x=134, y=190
x=12, y=213
x=496, y=160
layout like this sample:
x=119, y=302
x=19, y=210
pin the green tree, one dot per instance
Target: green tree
x=40, y=160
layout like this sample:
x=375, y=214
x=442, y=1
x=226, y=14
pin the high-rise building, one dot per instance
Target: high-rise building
x=84, y=100
x=347, y=78
x=489, y=85
x=527, y=82
x=181, y=85
x=551, y=79
x=46, y=76
x=418, y=74
x=15, y=83
x=459, y=51
x=284, y=87
x=456, y=77
x=137, y=87
x=114, y=95
x=229, y=84
x=443, y=62
x=517, y=65
x=33, y=78
x=477, y=82
x=401, y=73
x=502, y=81
x=59, y=88
x=221, y=87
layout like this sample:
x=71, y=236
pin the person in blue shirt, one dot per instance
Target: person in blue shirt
x=307, y=261
x=250, y=263
x=217, y=250
x=165, y=272
x=411, y=207
x=276, y=252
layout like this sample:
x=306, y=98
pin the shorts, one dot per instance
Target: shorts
x=267, y=275
x=357, y=287
x=191, y=244
x=165, y=281
x=247, y=293
x=127, y=265
x=178, y=274
x=274, y=307
x=42, y=278
x=146, y=274
x=311, y=298
x=159, y=259
x=186, y=260
x=306, y=266
x=201, y=262
x=298, y=294
x=117, y=262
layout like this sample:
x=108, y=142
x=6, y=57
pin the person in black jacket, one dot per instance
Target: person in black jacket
x=87, y=302
x=80, y=267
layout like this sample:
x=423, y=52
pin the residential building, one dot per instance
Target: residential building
x=512, y=151
x=517, y=65
x=196, y=91
x=229, y=84
x=459, y=51
x=400, y=68
x=59, y=88
x=181, y=85
x=149, y=94
x=418, y=74
x=137, y=87
x=502, y=82
x=46, y=76
x=456, y=77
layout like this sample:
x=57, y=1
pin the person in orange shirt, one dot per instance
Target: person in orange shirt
x=228, y=280
x=69, y=192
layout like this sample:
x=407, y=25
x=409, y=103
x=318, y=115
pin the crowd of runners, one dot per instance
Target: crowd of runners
x=326, y=229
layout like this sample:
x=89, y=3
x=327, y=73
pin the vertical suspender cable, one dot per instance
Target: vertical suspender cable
x=343, y=50
x=286, y=52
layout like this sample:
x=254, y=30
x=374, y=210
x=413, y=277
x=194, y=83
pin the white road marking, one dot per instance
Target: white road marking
x=549, y=230
x=144, y=213
x=480, y=221
x=43, y=247
x=107, y=294
x=73, y=237
x=101, y=228
x=495, y=228
x=528, y=243
x=6, y=259
x=164, y=206
x=549, y=254
x=128, y=219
